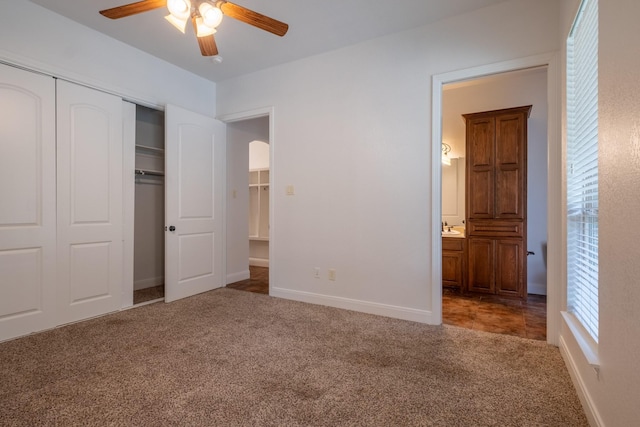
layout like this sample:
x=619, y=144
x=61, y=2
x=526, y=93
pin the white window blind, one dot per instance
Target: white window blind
x=582, y=167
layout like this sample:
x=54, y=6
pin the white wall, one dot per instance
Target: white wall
x=353, y=137
x=39, y=39
x=505, y=91
x=239, y=135
x=259, y=154
x=612, y=397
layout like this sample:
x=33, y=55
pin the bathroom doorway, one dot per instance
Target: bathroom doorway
x=478, y=90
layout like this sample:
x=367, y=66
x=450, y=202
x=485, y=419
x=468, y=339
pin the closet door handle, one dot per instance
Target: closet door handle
x=172, y=228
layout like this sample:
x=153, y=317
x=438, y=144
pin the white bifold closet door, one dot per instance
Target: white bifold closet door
x=194, y=155
x=27, y=202
x=90, y=194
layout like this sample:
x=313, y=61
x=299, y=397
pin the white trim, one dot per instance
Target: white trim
x=554, y=219
x=246, y=115
x=536, y=289
x=238, y=277
x=15, y=60
x=253, y=114
x=590, y=409
x=586, y=343
x=148, y=283
x=128, y=200
x=259, y=262
x=396, y=312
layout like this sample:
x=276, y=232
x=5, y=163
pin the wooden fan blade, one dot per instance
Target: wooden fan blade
x=207, y=44
x=133, y=8
x=254, y=18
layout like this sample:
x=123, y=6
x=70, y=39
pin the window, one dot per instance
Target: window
x=582, y=168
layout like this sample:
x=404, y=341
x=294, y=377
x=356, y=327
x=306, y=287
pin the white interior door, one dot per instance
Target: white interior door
x=90, y=194
x=27, y=202
x=194, y=151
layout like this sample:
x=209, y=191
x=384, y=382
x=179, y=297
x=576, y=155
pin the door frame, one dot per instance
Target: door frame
x=555, y=254
x=248, y=115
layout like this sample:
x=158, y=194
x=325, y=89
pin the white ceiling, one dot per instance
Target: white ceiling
x=315, y=26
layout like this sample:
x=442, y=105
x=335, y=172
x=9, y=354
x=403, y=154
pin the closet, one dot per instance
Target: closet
x=61, y=227
x=148, y=268
x=496, y=201
x=68, y=201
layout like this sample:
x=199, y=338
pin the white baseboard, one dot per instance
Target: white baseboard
x=148, y=283
x=259, y=262
x=589, y=407
x=404, y=313
x=237, y=277
x=536, y=288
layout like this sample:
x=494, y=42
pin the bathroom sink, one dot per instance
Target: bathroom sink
x=450, y=232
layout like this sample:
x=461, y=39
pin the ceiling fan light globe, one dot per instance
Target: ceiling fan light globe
x=180, y=24
x=181, y=9
x=211, y=15
x=202, y=29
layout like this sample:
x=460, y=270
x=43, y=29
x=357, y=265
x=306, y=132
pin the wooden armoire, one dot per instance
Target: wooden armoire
x=496, y=201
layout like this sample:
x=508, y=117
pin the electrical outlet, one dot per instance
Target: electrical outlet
x=290, y=190
x=332, y=274
x=316, y=272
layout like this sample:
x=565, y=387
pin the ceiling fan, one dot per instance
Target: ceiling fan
x=205, y=16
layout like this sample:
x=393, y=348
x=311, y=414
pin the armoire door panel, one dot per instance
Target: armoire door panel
x=194, y=150
x=509, y=150
x=509, y=267
x=509, y=188
x=481, y=194
x=90, y=194
x=27, y=202
x=481, y=132
x=481, y=256
x=495, y=228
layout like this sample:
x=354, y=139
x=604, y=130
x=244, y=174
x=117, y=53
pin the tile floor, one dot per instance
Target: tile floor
x=258, y=281
x=526, y=319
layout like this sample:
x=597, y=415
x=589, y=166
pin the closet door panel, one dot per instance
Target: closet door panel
x=193, y=184
x=89, y=202
x=27, y=202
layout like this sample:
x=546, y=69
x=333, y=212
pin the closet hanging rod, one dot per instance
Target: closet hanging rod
x=149, y=172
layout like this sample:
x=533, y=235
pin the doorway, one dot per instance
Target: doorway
x=485, y=312
x=468, y=78
x=250, y=194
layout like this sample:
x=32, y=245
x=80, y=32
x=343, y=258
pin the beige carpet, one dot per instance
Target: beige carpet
x=233, y=358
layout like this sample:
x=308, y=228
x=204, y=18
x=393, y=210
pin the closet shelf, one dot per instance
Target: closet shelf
x=153, y=149
x=258, y=239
